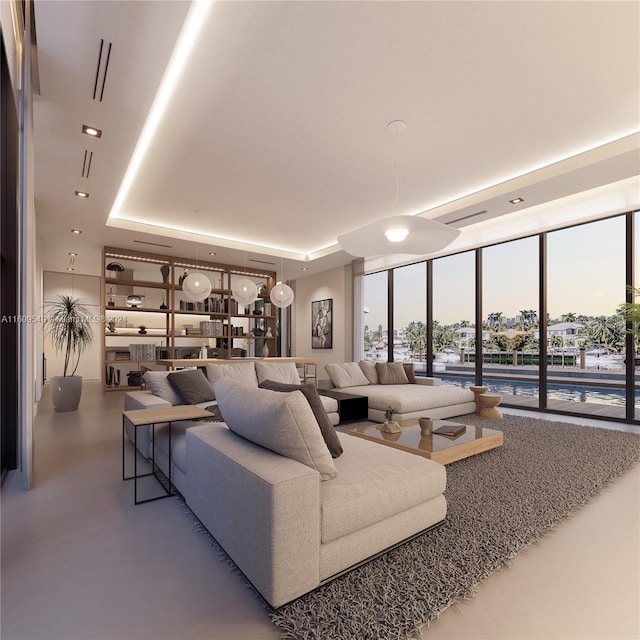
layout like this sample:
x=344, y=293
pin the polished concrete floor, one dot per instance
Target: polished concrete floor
x=79, y=561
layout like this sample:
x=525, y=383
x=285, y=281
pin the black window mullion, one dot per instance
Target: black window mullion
x=542, y=323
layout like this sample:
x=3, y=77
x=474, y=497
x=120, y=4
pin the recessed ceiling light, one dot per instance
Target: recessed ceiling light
x=73, y=254
x=304, y=268
x=212, y=253
x=82, y=194
x=92, y=131
x=70, y=269
x=76, y=231
x=516, y=200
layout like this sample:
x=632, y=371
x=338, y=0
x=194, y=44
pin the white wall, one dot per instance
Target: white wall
x=87, y=288
x=337, y=285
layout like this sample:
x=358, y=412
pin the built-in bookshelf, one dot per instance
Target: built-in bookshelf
x=148, y=317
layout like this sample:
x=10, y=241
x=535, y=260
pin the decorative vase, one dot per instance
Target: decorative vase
x=265, y=350
x=426, y=426
x=112, y=326
x=391, y=427
x=268, y=334
x=143, y=330
x=164, y=270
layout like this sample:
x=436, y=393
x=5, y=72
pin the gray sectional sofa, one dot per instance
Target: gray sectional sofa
x=393, y=384
x=289, y=515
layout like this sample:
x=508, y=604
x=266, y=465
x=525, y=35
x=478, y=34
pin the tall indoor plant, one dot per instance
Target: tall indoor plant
x=69, y=327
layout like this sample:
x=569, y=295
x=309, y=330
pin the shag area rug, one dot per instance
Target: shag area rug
x=499, y=502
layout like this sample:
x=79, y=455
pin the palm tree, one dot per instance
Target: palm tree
x=495, y=320
x=416, y=336
x=569, y=317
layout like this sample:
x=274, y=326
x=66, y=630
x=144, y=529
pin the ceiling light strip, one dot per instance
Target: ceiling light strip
x=89, y=165
x=187, y=39
x=104, y=75
x=84, y=163
x=95, y=84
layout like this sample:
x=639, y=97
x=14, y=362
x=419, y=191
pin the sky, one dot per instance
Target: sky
x=585, y=275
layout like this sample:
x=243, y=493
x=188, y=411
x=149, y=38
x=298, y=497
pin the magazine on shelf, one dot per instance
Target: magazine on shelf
x=450, y=429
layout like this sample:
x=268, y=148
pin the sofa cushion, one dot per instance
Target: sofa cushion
x=369, y=369
x=241, y=371
x=346, y=374
x=391, y=373
x=313, y=398
x=407, y=398
x=159, y=385
x=285, y=372
x=408, y=369
x=375, y=482
x=192, y=386
x=281, y=422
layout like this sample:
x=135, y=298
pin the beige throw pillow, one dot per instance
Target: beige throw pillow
x=346, y=374
x=391, y=373
x=281, y=422
x=369, y=369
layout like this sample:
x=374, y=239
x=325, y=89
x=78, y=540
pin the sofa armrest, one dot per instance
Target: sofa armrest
x=429, y=382
x=143, y=400
x=262, y=508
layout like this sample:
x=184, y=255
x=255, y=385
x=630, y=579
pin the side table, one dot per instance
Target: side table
x=151, y=417
x=350, y=407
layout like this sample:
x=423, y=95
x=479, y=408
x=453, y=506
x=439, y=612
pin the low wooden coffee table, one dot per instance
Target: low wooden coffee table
x=442, y=449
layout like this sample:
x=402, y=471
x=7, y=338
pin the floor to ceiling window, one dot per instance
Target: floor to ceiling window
x=585, y=287
x=410, y=315
x=510, y=300
x=572, y=360
x=376, y=338
x=453, y=324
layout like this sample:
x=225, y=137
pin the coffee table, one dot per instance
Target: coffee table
x=442, y=449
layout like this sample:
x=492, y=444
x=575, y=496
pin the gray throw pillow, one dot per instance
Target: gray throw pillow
x=192, y=386
x=313, y=398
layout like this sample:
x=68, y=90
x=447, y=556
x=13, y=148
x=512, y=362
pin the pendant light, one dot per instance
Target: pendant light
x=398, y=234
x=244, y=290
x=282, y=294
x=196, y=286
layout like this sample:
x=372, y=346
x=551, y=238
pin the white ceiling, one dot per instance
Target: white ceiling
x=275, y=140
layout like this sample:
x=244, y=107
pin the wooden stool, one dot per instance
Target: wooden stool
x=488, y=405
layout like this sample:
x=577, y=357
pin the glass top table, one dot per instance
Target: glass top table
x=442, y=449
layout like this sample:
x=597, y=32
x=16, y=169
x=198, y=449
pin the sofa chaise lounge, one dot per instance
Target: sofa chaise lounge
x=394, y=384
x=289, y=515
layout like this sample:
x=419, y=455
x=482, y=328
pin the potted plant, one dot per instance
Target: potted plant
x=71, y=333
x=390, y=426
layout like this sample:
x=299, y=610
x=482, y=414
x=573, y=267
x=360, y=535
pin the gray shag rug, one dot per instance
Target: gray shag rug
x=499, y=502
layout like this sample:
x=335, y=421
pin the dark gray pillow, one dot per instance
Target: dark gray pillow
x=192, y=386
x=313, y=398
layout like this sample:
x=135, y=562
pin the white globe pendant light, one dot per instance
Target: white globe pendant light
x=245, y=291
x=196, y=286
x=281, y=295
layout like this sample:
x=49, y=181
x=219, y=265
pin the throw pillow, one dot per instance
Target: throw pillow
x=313, y=398
x=346, y=374
x=408, y=369
x=192, y=386
x=285, y=372
x=281, y=422
x=242, y=372
x=369, y=369
x=216, y=415
x=158, y=384
x=391, y=373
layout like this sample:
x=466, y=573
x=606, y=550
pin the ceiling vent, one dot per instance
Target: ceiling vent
x=101, y=70
x=468, y=217
x=261, y=261
x=154, y=244
x=86, y=165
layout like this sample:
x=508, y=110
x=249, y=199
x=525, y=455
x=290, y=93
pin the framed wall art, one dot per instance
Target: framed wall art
x=322, y=324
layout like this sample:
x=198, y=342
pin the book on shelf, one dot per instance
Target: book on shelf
x=450, y=429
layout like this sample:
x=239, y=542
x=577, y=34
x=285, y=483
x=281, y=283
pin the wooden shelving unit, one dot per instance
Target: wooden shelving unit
x=174, y=331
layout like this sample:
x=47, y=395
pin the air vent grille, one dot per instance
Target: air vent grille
x=104, y=54
x=261, y=261
x=155, y=244
x=86, y=164
x=467, y=217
